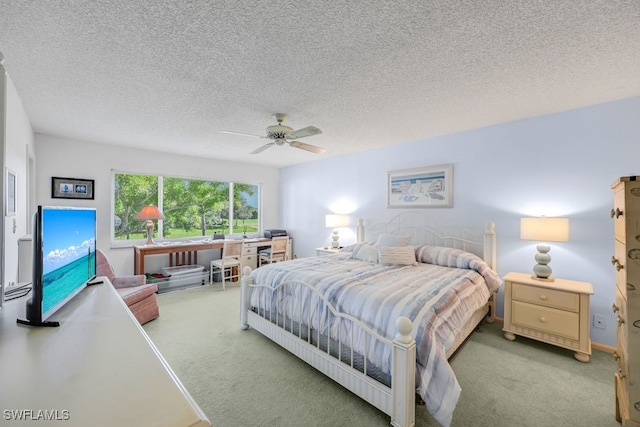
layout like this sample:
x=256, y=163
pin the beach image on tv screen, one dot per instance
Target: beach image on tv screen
x=68, y=239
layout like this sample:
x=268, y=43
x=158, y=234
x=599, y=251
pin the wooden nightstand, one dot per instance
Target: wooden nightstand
x=555, y=312
x=326, y=251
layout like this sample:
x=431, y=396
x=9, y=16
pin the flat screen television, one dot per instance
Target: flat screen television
x=64, y=260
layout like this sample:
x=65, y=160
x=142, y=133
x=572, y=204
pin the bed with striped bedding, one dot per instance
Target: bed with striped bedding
x=437, y=288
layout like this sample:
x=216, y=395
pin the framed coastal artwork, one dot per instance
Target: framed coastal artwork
x=424, y=187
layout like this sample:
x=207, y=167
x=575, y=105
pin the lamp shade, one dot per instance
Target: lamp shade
x=335, y=221
x=544, y=229
x=150, y=212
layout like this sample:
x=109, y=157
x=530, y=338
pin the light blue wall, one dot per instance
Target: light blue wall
x=556, y=165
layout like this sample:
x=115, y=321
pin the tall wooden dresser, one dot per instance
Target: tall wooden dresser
x=626, y=260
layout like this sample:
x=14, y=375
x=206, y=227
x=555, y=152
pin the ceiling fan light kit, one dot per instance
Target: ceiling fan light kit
x=281, y=135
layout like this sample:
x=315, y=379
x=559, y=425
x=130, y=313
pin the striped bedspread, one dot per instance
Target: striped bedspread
x=438, y=294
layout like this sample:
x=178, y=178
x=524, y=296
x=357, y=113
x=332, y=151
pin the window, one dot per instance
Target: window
x=191, y=207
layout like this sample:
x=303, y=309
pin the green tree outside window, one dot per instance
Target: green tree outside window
x=192, y=207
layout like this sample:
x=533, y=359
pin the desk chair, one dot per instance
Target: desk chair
x=229, y=264
x=277, y=252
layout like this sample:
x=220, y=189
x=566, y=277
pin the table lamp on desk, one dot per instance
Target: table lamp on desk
x=150, y=213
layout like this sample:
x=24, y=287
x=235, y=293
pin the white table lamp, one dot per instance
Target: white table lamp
x=335, y=221
x=150, y=213
x=544, y=229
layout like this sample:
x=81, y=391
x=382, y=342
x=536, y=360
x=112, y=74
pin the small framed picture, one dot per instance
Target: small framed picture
x=71, y=188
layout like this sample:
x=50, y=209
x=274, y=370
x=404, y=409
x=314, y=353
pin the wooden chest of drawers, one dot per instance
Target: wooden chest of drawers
x=626, y=262
x=553, y=312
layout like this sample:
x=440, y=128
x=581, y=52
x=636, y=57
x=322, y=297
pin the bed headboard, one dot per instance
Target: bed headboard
x=425, y=230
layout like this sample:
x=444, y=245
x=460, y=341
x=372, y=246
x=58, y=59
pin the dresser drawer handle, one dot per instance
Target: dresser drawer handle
x=614, y=307
x=616, y=212
x=543, y=319
x=620, y=321
x=615, y=262
x=616, y=356
x=543, y=297
x=621, y=374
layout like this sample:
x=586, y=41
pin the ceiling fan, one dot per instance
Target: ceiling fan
x=281, y=135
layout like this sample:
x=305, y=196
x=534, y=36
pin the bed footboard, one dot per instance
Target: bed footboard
x=330, y=353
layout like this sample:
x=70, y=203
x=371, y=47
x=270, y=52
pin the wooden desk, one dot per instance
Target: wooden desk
x=98, y=368
x=182, y=253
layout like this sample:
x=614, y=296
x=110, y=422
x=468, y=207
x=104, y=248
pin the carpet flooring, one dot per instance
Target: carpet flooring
x=240, y=378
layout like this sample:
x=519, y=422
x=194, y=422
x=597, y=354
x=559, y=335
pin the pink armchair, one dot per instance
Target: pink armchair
x=139, y=296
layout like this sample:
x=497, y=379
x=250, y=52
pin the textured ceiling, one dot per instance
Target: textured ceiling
x=169, y=75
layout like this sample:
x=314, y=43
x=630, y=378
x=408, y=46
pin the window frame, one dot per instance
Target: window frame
x=159, y=229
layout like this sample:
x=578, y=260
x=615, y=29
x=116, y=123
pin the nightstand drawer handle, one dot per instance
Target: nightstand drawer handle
x=543, y=319
x=614, y=307
x=616, y=212
x=543, y=297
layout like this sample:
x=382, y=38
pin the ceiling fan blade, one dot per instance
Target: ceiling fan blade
x=261, y=149
x=242, y=134
x=308, y=147
x=304, y=132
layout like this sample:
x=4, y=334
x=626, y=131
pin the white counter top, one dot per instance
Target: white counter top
x=98, y=368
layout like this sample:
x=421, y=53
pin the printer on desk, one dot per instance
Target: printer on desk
x=268, y=234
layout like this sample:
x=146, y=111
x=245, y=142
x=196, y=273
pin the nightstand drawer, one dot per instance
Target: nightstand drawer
x=546, y=297
x=326, y=251
x=546, y=319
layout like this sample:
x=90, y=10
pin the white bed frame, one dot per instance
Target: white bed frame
x=398, y=401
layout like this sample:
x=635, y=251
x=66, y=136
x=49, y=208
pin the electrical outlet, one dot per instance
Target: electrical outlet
x=599, y=322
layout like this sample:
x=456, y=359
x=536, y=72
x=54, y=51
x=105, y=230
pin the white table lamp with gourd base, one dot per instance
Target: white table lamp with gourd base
x=336, y=221
x=544, y=229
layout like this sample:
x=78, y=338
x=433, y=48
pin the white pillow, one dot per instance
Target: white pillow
x=368, y=253
x=401, y=255
x=392, y=240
